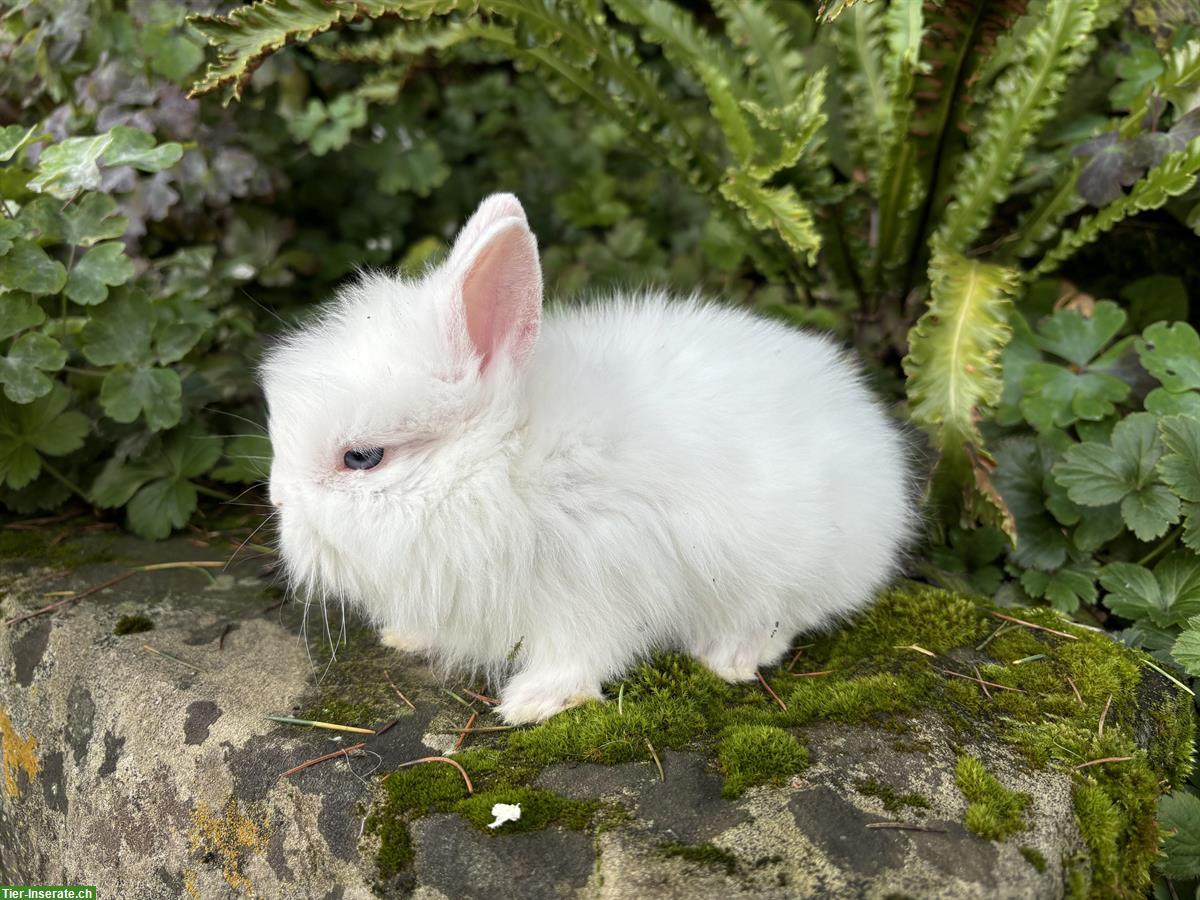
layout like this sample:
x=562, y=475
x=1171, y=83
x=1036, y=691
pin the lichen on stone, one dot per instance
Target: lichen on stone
x=17, y=754
x=893, y=801
x=230, y=840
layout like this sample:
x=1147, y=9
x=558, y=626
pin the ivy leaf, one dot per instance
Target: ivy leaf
x=248, y=460
x=21, y=370
x=1114, y=164
x=1167, y=596
x=118, y=332
x=1123, y=471
x=1171, y=353
x=13, y=138
x=134, y=147
x=1056, y=396
x=26, y=267
x=1078, y=338
x=19, y=312
x=104, y=266
x=70, y=166
x=1179, y=824
x=30, y=431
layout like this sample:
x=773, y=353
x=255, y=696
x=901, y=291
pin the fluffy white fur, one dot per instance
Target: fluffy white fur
x=642, y=473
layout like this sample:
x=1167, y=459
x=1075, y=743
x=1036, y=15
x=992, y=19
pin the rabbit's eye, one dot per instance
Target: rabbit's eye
x=363, y=459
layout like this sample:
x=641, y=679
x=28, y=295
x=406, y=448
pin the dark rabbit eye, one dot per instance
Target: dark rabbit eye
x=363, y=459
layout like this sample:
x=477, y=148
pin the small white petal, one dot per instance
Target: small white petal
x=505, y=812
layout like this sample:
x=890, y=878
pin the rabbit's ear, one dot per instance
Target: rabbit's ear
x=500, y=281
x=490, y=211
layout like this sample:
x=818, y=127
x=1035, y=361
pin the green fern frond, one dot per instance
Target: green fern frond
x=828, y=10
x=399, y=43
x=1023, y=99
x=901, y=187
x=860, y=41
x=249, y=34
x=953, y=370
x=793, y=133
x=774, y=64
x=1173, y=177
x=774, y=209
x=689, y=47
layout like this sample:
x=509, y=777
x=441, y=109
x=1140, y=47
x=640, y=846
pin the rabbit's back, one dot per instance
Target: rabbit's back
x=747, y=453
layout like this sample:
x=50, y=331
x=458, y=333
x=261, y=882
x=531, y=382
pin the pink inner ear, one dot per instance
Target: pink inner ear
x=502, y=292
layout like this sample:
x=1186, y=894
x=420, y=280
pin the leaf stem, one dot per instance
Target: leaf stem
x=1162, y=546
x=213, y=492
x=74, y=488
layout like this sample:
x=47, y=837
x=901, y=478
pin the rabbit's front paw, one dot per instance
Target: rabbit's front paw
x=535, y=696
x=405, y=643
x=738, y=658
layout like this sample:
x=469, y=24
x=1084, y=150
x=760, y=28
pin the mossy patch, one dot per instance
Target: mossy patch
x=38, y=546
x=704, y=854
x=1034, y=857
x=757, y=754
x=893, y=801
x=993, y=811
x=354, y=688
x=132, y=625
x=879, y=676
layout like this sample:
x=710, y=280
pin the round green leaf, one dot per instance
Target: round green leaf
x=134, y=147
x=1171, y=353
x=70, y=166
x=1179, y=822
x=18, y=312
x=27, y=267
x=126, y=394
x=1078, y=338
x=44, y=426
x=21, y=370
x=102, y=267
x=1180, y=465
x=161, y=506
x=119, y=332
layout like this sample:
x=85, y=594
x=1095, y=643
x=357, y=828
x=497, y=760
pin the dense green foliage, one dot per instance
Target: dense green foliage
x=950, y=187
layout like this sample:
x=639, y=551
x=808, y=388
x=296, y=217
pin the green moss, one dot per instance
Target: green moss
x=706, y=854
x=993, y=811
x=37, y=546
x=876, y=679
x=353, y=689
x=757, y=754
x=1034, y=857
x=539, y=809
x=132, y=625
x=892, y=800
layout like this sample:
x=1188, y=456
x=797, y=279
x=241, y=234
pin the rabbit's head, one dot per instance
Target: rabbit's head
x=400, y=395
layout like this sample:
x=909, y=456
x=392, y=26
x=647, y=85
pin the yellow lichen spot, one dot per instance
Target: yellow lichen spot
x=231, y=839
x=189, y=884
x=16, y=753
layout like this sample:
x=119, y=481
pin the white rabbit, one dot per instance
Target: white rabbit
x=628, y=475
